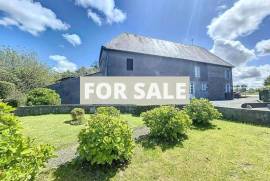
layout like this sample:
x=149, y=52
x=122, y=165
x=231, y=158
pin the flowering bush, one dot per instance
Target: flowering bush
x=201, y=111
x=78, y=116
x=167, y=122
x=20, y=159
x=105, y=139
x=110, y=111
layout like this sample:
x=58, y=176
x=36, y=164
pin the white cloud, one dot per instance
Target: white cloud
x=63, y=64
x=253, y=76
x=95, y=17
x=73, y=39
x=263, y=47
x=232, y=51
x=242, y=19
x=106, y=7
x=221, y=8
x=29, y=16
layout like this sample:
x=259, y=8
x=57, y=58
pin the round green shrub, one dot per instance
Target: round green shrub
x=16, y=99
x=110, y=111
x=43, y=96
x=20, y=159
x=105, y=139
x=167, y=123
x=6, y=89
x=78, y=116
x=201, y=111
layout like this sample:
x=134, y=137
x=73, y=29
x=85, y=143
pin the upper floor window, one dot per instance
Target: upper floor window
x=197, y=71
x=129, y=64
x=227, y=74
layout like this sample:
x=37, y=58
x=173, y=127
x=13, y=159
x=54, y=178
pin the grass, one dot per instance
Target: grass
x=54, y=130
x=224, y=151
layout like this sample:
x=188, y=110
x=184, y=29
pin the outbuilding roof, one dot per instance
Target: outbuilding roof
x=140, y=44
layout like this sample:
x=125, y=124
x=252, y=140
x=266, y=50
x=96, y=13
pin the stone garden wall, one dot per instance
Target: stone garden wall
x=246, y=115
x=236, y=114
x=66, y=108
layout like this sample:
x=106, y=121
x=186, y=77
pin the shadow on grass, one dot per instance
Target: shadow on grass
x=149, y=142
x=204, y=127
x=74, y=123
x=83, y=171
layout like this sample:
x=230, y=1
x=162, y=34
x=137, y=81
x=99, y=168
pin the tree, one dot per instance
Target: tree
x=236, y=88
x=85, y=71
x=67, y=74
x=80, y=72
x=244, y=89
x=267, y=81
x=24, y=70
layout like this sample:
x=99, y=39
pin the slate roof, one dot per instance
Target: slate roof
x=140, y=44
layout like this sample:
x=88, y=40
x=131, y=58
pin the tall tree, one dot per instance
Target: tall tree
x=80, y=72
x=24, y=70
x=267, y=81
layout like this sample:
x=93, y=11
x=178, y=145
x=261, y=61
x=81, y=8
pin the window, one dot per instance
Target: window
x=227, y=74
x=129, y=64
x=191, y=90
x=204, y=86
x=197, y=71
x=227, y=88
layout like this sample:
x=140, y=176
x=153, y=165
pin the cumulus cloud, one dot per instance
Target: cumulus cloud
x=249, y=72
x=63, y=64
x=263, y=47
x=232, y=51
x=242, y=19
x=95, y=17
x=29, y=16
x=106, y=7
x=73, y=39
x=253, y=76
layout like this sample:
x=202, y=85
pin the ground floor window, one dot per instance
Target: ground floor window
x=191, y=90
x=204, y=86
x=227, y=88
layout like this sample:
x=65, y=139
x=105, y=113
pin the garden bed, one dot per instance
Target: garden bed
x=223, y=151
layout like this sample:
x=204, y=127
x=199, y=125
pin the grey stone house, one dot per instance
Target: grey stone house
x=133, y=55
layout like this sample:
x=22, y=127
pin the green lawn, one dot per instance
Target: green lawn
x=54, y=130
x=226, y=151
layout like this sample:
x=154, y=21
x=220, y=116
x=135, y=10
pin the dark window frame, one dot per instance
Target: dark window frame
x=130, y=64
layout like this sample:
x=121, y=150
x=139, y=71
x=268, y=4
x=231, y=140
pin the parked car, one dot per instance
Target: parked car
x=236, y=95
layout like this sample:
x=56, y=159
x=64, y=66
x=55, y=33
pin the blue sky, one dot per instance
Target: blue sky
x=68, y=34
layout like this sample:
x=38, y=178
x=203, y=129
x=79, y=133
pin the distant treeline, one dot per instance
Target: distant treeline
x=21, y=72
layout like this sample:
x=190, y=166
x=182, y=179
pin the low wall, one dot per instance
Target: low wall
x=264, y=95
x=246, y=115
x=256, y=104
x=66, y=108
x=236, y=114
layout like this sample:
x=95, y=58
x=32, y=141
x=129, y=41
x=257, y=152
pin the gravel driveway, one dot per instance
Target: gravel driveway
x=236, y=103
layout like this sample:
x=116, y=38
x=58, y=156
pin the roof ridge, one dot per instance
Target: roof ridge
x=143, y=36
x=153, y=46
